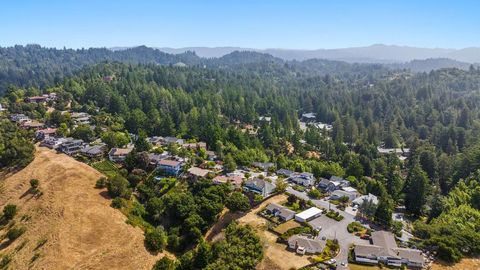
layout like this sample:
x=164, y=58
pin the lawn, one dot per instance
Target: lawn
x=284, y=227
x=106, y=167
x=353, y=266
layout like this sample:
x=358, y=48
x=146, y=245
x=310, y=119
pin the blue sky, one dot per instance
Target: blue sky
x=298, y=24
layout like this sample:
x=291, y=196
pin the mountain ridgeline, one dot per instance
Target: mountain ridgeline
x=36, y=66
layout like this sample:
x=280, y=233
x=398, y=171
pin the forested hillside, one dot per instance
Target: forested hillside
x=435, y=115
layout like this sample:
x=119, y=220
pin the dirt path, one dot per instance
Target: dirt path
x=276, y=255
x=80, y=228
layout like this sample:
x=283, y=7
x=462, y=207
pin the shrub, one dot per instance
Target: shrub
x=15, y=232
x=238, y=202
x=118, y=187
x=164, y=263
x=9, y=211
x=101, y=182
x=34, y=183
x=315, y=193
x=118, y=203
x=155, y=240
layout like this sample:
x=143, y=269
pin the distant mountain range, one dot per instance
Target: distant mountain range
x=378, y=53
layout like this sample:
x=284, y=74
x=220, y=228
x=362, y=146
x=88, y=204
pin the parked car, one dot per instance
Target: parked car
x=365, y=237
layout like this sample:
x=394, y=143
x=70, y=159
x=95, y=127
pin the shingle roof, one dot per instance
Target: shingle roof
x=304, y=241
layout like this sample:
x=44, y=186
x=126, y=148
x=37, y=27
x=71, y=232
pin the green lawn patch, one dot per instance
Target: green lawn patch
x=106, y=167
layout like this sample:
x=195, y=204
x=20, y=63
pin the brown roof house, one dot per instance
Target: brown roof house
x=119, y=154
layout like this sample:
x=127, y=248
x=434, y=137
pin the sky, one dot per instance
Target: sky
x=260, y=24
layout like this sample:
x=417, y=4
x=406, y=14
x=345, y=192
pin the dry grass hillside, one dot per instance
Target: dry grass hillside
x=70, y=226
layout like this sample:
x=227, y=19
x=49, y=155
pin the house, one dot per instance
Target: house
x=259, y=186
x=280, y=211
x=154, y=159
x=32, y=125
x=170, y=140
x=118, y=154
x=211, y=155
x=285, y=172
x=235, y=180
x=305, y=179
x=196, y=172
x=19, y=117
x=42, y=133
x=332, y=184
x=384, y=250
x=71, y=146
x=309, y=117
x=195, y=146
x=263, y=165
x=304, y=244
x=337, y=194
x=170, y=167
x=52, y=142
x=267, y=119
x=36, y=99
x=93, y=151
x=308, y=214
x=80, y=118
x=155, y=140
x=365, y=198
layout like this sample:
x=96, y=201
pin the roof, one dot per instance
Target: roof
x=47, y=130
x=413, y=255
x=235, y=179
x=324, y=182
x=304, y=241
x=93, y=150
x=369, y=250
x=309, y=115
x=260, y=183
x=120, y=151
x=370, y=197
x=198, y=171
x=334, y=178
x=349, y=189
x=274, y=206
x=341, y=193
x=384, y=245
x=310, y=212
x=384, y=239
x=168, y=162
x=284, y=212
x=284, y=172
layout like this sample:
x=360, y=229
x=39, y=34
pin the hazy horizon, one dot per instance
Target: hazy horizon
x=299, y=25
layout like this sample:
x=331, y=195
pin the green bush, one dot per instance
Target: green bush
x=101, y=182
x=15, y=232
x=155, y=240
x=9, y=211
x=118, y=203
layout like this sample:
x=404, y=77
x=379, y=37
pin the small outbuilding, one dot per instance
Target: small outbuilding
x=308, y=214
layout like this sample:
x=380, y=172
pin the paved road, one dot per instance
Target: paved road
x=332, y=228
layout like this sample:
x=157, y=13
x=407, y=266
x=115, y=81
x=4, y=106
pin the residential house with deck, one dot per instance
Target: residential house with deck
x=118, y=154
x=170, y=167
x=71, y=146
x=94, y=151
